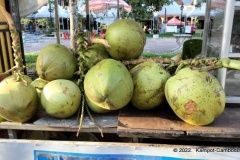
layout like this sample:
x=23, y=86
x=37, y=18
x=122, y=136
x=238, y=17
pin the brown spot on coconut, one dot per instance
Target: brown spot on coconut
x=190, y=107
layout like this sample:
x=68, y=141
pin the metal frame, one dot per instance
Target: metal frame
x=226, y=38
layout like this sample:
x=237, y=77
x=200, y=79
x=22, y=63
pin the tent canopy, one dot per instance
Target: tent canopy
x=106, y=18
x=27, y=7
x=174, y=21
x=172, y=10
x=199, y=11
x=102, y=6
x=44, y=13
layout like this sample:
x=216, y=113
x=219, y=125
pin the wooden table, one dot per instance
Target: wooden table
x=159, y=123
x=180, y=39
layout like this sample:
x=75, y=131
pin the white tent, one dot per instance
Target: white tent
x=27, y=7
x=107, y=18
x=172, y=10
x=201, y=11
x=44, y=13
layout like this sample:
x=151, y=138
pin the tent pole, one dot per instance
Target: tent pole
x=87, y=16
x=118, y=16
x=57, y=21
x=62, y=25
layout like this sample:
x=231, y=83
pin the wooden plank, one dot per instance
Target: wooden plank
x=105, y=121
x=162, y=122
x=4, y=51
x=1, y=65
x=108, y=123
x=10, y=51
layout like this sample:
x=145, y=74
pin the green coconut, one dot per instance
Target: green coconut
x=2, y=119
x=109, y=85
x=56, y=61
x=149, y=80
x=95, y=107
x=196, y=97
x=39, y=84
x=95, y=54
x=126, y=39
x=61, y=98
x=18, y=100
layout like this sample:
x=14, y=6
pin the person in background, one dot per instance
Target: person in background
x=193, y=29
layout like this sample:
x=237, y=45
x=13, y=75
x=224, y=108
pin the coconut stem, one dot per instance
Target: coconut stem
x=18, y=68
x=230, y=63
x=100, y=41
x=202, y=64
x=207, y=64
x=91, y=117
x=82, y=115
x=83, y=43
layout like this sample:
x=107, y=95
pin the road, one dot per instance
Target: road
x=33, y=44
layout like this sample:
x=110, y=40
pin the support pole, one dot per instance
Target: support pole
x=87, y=16
x=57, y=21
x=73, y=24
x=226, y=38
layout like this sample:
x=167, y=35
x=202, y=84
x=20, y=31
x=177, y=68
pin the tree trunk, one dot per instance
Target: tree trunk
x=73, y=24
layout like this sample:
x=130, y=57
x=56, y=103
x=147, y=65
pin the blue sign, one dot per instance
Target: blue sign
x=51, y=155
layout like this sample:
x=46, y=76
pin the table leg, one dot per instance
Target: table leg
x=12, y=134
x=178, y=43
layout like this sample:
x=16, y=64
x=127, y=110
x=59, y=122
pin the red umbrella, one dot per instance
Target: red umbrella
x=174, y=21
x=102, y=6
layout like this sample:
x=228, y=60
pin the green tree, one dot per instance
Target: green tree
x=142, y=9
